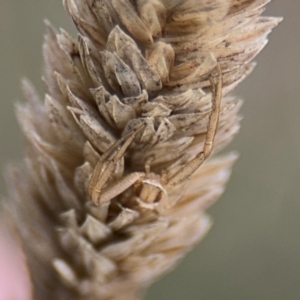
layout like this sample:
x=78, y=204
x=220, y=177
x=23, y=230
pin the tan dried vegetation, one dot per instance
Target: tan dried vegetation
x=111, y=195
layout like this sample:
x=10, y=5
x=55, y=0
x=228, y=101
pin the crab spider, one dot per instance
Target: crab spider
x=151, y=188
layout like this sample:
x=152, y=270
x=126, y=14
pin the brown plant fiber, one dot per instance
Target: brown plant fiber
x=109, y=198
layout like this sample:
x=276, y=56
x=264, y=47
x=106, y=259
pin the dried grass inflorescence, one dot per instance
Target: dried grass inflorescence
x=123, y=125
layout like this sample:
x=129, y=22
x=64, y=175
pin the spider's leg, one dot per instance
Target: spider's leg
x=119, y=187
x=94, y=179
x=111, y=157
x=193, y=165
x=126, y=139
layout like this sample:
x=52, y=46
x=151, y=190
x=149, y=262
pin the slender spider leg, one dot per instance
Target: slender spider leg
x=117, y=188
x=193, y=165
x=103, y=171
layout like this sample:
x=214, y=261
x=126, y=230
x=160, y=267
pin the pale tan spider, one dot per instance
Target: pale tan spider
x=151, y=188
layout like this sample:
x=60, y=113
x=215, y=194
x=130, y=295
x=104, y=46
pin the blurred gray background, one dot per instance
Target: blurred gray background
x=253, y=250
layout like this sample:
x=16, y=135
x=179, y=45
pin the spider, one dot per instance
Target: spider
x=151, y=188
